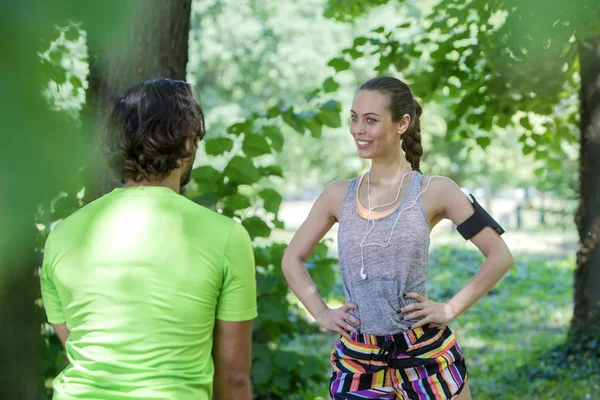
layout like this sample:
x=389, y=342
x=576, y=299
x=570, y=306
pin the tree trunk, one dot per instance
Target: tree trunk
x=153, y=44
x=20, y=342
x=586, y=317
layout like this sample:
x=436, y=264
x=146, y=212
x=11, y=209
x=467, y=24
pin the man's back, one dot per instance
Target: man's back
x=140, y=276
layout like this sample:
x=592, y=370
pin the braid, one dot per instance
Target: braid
x=411, y=140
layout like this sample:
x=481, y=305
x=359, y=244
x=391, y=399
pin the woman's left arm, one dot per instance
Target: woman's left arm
x=454, y=205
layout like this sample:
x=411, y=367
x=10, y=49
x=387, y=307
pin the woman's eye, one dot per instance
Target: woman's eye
x=371, y=120
x=353, y=117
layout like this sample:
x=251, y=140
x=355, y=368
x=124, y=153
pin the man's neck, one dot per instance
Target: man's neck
x=171, y=182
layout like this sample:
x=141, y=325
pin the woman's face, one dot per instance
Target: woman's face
x=371, y=126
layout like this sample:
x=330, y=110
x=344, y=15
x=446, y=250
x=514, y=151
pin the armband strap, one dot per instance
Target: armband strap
x=476, y=222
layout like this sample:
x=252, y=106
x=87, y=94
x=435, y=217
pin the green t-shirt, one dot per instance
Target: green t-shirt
x=139, y=276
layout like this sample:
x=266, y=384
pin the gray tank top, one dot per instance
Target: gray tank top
x=391, y=271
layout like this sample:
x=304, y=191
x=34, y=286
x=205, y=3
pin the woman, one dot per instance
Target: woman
x=395, y=343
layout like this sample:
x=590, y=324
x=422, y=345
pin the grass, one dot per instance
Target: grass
x=514, y=338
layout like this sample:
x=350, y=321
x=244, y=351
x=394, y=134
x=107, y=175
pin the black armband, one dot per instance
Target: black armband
x=476, y=222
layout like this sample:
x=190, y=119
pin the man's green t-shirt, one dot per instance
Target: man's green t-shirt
x=139, y=276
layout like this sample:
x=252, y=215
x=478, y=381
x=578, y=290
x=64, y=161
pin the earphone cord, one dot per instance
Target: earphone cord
x=368, y=231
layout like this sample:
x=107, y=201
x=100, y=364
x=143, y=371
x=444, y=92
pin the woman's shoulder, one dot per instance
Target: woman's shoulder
x=333, y=196
x=439, y=185
x=337, y=190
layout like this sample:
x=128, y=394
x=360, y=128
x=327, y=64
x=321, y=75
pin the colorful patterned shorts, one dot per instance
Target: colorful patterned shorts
x=419, y=364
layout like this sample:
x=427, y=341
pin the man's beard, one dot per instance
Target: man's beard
x=185, y=178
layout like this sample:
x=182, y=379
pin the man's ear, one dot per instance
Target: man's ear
x=191, y=144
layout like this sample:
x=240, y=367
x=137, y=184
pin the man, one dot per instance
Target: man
x=144, y=287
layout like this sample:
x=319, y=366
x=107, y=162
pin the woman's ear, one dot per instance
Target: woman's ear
x=403, y=124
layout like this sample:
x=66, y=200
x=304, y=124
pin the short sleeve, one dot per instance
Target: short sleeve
x=237, y=300
x=52, y=304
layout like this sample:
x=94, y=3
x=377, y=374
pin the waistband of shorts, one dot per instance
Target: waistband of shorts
x=407, y=338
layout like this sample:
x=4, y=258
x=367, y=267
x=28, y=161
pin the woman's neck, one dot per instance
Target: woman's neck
x=388, y=172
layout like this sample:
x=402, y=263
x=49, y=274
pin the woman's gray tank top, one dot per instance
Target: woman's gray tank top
x=391, y=271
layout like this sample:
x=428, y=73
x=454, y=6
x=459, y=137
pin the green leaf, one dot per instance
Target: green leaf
x=208, y=200
x=473, y=119
x=453, y=124
x=292, y=120
x=261, y=371
x=65, y=206
x=381, y=29
x=314, y=127
x=241, y=127
x=339, y=64
x=205, y=173
x=330, y=85
x=555, y=164
x=384, y=62
x=355, y=54
x=287, y=360
x=484, y=141
x=306, y=115
x=255, y=145
x=273, y=112
x=329, y=118
x=525, y=123
x=256, y=227
x=72, y=34
x=404, y=25
x=76, y=82
x=541, y=155
x=527, y=149
x=242, y=171
x=523, y=137
x=462, y=108
x=282, y=382
x=359, y=41
x=312, y=94
x=310, y=368
x=237, y=201
x=223, y=190
x=55, y=56
x=332, y=105
x=278, y=224
x=274, y=134
x=271, y=170
x=272, y=200
x=503, y=121
x=218, y=146
x=539, y=172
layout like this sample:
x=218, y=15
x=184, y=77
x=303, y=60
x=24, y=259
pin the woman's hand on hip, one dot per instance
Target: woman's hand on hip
x=429, y=310
x=338, y=320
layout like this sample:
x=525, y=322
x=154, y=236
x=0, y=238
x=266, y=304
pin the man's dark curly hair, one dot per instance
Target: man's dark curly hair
x=148, y=129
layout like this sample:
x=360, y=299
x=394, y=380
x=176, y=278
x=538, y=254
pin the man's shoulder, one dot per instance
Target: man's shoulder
x=196, y=210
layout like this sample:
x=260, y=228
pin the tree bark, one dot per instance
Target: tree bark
x=153, y=44
x=586, y=317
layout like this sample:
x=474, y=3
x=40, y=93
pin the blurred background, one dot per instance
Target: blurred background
x=511, y=113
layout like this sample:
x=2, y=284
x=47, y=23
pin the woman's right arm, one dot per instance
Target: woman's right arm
x=322, y=216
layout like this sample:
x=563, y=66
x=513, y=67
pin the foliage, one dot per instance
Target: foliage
x=468, y=52
x=247, y=57
x=514, y=338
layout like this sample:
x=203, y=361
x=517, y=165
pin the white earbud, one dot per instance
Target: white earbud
x=362, y=273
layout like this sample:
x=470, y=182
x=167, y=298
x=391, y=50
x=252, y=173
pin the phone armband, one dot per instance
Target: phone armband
x=476, y=222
